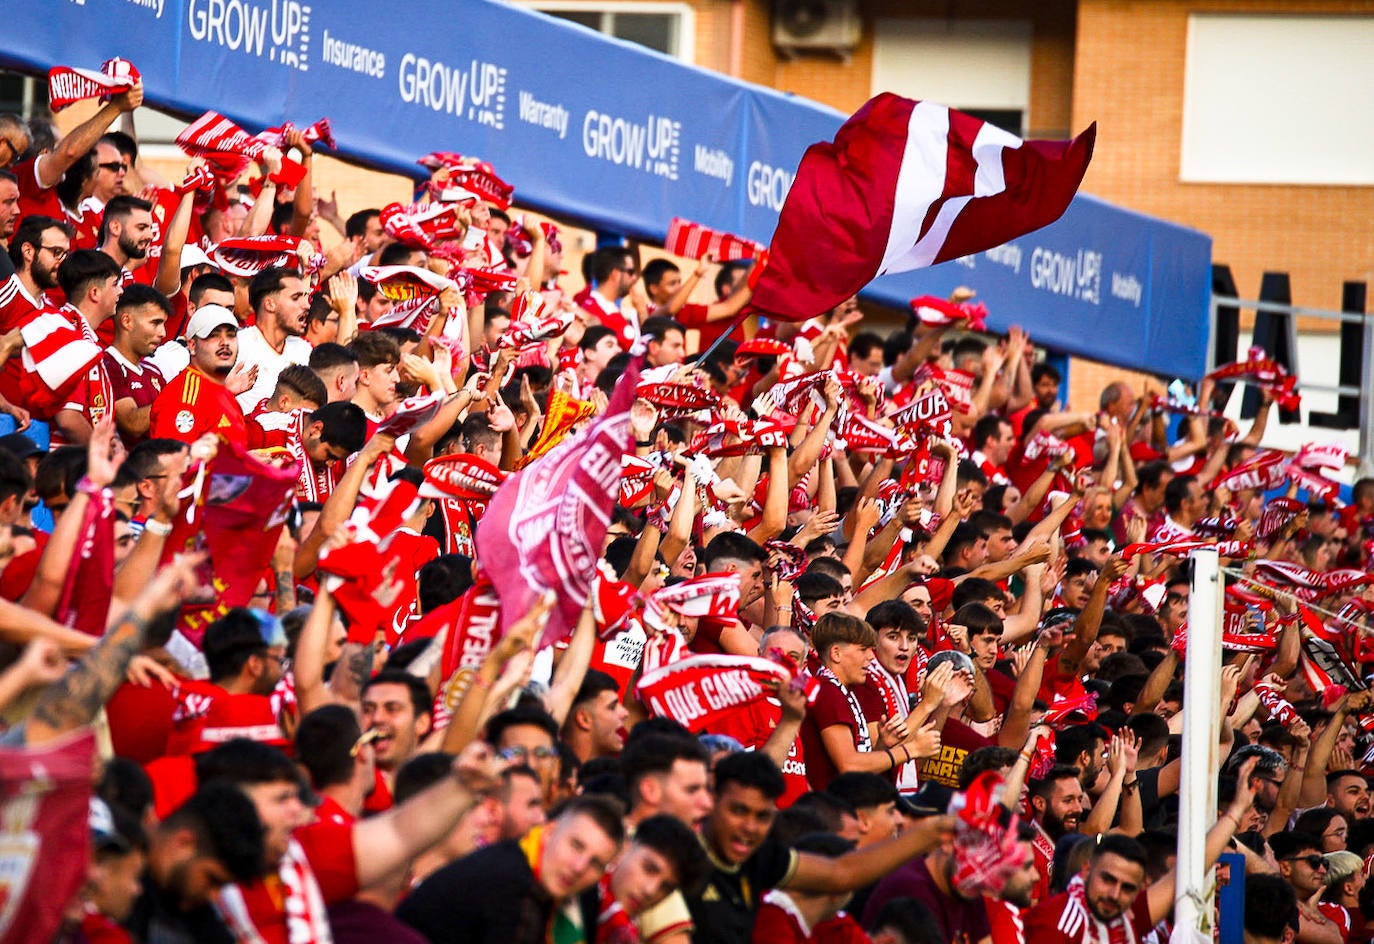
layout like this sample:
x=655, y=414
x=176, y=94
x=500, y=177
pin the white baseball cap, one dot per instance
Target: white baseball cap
x=193, y=255
x=207, y=318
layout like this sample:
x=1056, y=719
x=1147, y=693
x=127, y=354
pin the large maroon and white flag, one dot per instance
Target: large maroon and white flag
x=545, y=525
x=904, y=185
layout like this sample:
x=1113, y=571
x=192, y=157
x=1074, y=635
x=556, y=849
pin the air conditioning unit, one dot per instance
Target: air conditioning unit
x=816, y=26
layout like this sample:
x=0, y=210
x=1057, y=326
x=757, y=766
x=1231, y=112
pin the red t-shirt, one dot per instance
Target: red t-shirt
x=195, y=404
x=34, y=199
x=140, y=721
x=956, y=740
x=329, y=855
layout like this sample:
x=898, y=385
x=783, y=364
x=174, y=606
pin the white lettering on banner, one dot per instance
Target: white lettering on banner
x=713, y=162
x=156, y=5
x=768, y=185
x=350, y=56
x=477, y=93
x=1008, y=254
x=1078, y=276
x=1127, y=288
x=652, y=146
x=544, y=114
x=277, y=29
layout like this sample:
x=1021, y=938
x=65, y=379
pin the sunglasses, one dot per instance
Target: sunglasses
x=1314, y=861
x=114, y=167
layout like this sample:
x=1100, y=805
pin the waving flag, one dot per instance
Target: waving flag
x=544, y=527
x=905, y=185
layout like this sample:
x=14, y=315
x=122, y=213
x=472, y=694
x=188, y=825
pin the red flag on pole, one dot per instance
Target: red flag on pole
x=545, y=525
x=906, y=185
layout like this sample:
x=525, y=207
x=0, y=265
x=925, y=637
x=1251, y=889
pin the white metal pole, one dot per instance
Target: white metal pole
x=1197, y=793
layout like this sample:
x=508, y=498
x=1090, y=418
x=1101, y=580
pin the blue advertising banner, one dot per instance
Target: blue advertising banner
x=606, y=133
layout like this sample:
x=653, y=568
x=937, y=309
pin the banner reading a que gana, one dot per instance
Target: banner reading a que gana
x=624, y=146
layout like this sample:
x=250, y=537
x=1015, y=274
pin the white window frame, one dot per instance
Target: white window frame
x=686, y=31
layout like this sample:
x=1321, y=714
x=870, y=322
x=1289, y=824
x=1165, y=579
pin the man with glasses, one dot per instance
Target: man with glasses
x=613, y=272
x=1302, y=866
x=39, y=246
x=14, y=139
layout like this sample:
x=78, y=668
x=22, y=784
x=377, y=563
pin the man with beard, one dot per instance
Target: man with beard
x=1057, y=803
x=37, y=249
x=199, y=401
x=280, y=300
x=140, y=326
x=127, y=232
x=398, y=707
x=1106, y=905
x=213, y=839
x=1347, y=792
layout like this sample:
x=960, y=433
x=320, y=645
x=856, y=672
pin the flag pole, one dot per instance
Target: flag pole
x=1198, y=783
x=738, y=320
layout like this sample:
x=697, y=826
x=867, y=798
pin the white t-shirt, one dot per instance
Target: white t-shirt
x=253, y=350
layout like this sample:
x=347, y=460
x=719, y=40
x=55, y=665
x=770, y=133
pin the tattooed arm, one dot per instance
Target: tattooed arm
x=73, y=700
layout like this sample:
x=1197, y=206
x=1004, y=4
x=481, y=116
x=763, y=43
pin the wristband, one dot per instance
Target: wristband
x=161, y=528
x=87, y=487
x=906, y=752
x=647, y=443
x=892, y=761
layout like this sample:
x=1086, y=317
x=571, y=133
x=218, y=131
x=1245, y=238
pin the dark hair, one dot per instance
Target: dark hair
x=593, y=684
x=81, y=268
x=895, y=614
x=1289, y=843
x=136, y=295
x=329, y=355
x=656, y=754
x=355, y=227
x=656, y=269
x=226, y=826
x=344, y=424
x=909, y=918
x=397, y=253
x=656, y=328
x=30, y=233
x=1044, y=786
x=303, y=382
x=732, y=546
x=1176, y=492
x=125, y=785
x=521, y=716
x=1151, y=731
x=750, y=769
x=229, y=642
x=978, y=618
x=243, y=762
x=208, y=282
x=1316, y=820
x=419, y=773
x=593, y=336
x=975, y=590
x=1043, y=370
x=59, y=471
x=676, y=842
x=606, y=812
x=1077, y=739
x=982, y=759
x=324, y=745
x=269, y=281
x=421, y=698
x=15, y=480
x=814, y=586
x=443, y=580
x=121, y=142
x=373, y=348
x=1123, y=846
x=829, y=567
x=862, y=790
x=985, y=428
x=1271, y=906
x=606, y=260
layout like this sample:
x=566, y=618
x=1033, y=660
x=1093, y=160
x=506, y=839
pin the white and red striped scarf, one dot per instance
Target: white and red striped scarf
x=1093, y=930
x=307, y=921
x=694, y=241
x=68, y=85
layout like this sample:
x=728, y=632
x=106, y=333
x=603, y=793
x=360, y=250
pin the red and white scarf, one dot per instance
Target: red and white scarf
x=307, y=922
x=1095, y=931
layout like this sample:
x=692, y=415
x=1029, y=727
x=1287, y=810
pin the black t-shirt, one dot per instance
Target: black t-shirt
x=6, y=265
x=488, y=897
x=723, y=911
